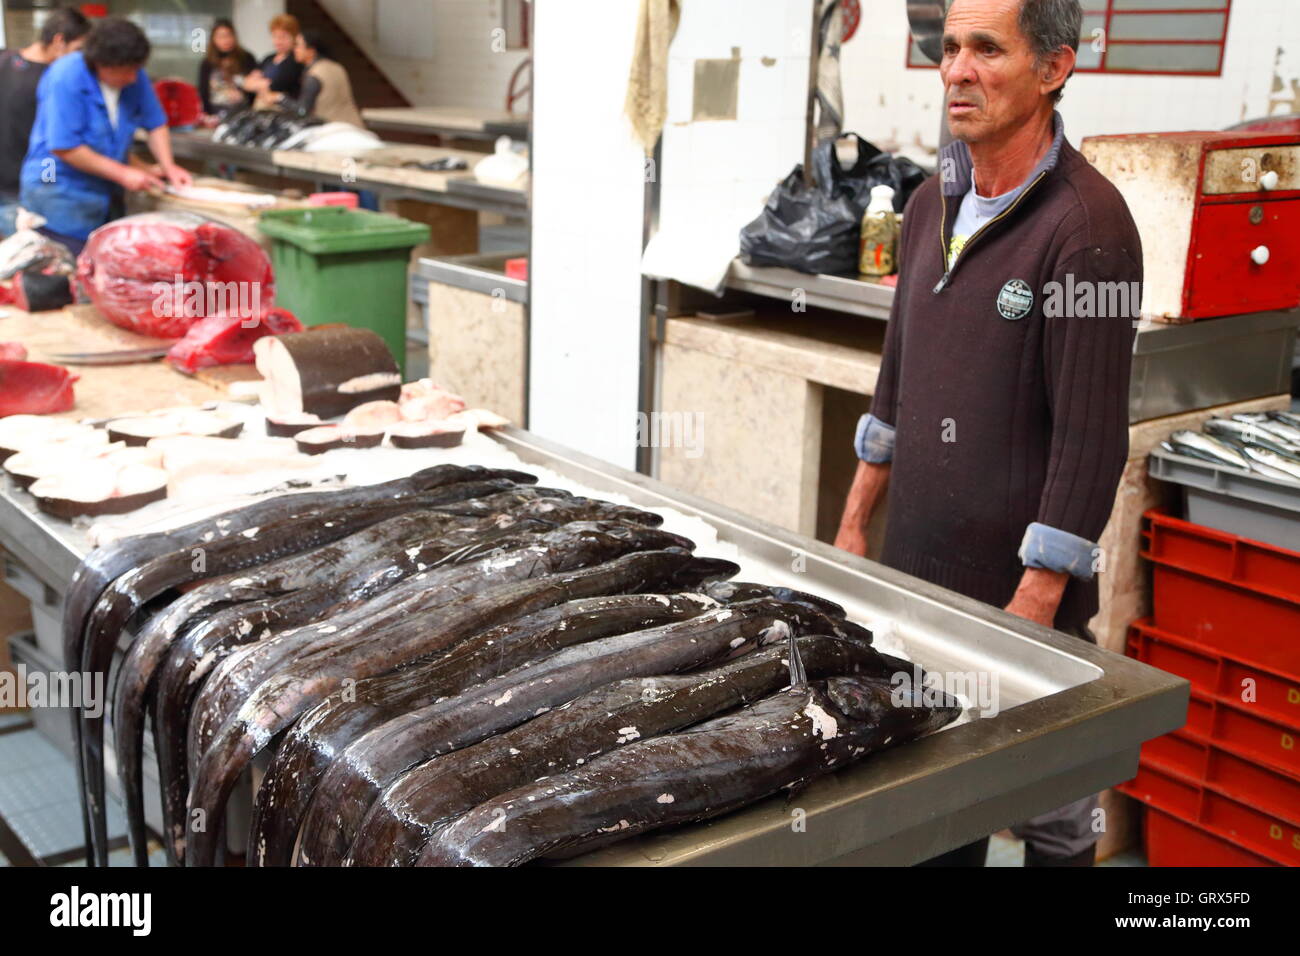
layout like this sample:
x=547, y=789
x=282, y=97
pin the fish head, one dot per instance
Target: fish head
x=732, y=592
x=639, y=536
x=699, y=570
x=873, y=698
x=860, y=698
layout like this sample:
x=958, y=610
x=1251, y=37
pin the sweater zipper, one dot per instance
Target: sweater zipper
x=943, y=231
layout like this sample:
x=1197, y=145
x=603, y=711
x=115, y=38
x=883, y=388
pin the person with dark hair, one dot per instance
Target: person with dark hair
x=88, y=106
x=20, y=72
x=280, y=74
x=326, y=89
x=223, y=71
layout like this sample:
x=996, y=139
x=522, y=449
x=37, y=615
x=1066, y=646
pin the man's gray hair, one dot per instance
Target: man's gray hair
x=1050, y=25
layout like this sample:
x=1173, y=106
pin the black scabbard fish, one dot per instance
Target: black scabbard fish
x=197, y=560
x=353, y=620
x=372, y=761
x=416, y=540
x=529, y=579
x=107, y=563
x=432, y=794
x=200, y=650
x=781, y=741
x=322, y=733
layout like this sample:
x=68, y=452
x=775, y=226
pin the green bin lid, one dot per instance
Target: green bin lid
x=328, y=229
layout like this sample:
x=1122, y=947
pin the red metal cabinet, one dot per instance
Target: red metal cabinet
x=1219, y=216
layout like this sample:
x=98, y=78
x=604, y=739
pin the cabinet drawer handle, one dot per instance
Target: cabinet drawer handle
x=1259, y=255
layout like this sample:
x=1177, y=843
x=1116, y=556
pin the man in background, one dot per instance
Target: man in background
x=20, y=71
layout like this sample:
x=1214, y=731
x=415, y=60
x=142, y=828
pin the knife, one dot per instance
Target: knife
x=119, y=357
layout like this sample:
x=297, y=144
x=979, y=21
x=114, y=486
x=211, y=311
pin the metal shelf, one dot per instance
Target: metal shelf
x=840, y=293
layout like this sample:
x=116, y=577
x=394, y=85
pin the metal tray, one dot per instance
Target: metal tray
x=1071, y=722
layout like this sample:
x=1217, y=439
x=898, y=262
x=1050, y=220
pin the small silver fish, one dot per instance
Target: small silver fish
x=1208, y=448
x=1241, y=433
x=1278, y=429
x=1286, y=418
x=1272, y=464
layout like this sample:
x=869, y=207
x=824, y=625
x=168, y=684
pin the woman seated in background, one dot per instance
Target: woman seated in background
x=326, y=90
x=223, y=71
x=280, y=74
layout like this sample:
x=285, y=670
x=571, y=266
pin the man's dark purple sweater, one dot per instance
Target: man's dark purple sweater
x=1003, y=398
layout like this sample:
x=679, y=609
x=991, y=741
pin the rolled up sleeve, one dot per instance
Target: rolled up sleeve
x=874, y=441
x=1057, y=550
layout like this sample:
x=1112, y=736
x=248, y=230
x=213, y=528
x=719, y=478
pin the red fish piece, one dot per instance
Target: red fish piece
x=228, y=339
x=34, y=388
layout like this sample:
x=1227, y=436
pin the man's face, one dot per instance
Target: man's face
x=990, y=82
x=118, y=77
x=300, y=51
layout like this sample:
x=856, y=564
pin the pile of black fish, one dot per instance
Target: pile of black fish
x=426, y=658
x=263, y=128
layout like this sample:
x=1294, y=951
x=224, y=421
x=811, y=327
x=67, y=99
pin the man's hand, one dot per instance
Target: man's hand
x=1039, y=595
x=852, y=539
x=138, y=180
x=869, y=484
x=178, y=176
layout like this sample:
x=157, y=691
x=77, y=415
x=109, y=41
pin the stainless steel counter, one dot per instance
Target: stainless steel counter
x=198, y=146
x=1071, y=717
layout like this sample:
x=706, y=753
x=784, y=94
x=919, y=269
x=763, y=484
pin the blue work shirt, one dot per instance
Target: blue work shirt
x=70, y=112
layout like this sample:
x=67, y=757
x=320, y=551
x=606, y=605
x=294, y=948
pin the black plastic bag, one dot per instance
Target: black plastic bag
x=874, y=168
x=816, y=228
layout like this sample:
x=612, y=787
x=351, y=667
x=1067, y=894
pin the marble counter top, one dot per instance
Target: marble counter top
x=839, y=351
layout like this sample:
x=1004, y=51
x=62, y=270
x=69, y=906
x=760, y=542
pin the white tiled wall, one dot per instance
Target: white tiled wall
x=437, y=52
x=587, y=211
x=884, y=100
x=715, y=175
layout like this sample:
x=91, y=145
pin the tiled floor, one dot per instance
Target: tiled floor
x=1005, y=850
x=38, y=797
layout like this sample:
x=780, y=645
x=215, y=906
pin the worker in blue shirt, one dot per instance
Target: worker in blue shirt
x=88, y=106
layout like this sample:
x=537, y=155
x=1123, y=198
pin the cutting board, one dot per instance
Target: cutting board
x=106, y=390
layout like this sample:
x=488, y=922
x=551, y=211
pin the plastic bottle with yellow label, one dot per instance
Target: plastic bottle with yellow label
x=879, y=234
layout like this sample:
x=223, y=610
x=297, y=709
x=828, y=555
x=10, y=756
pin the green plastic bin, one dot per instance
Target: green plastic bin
x=334, y=264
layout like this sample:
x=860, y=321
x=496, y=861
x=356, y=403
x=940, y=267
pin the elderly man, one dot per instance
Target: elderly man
x=999, y=423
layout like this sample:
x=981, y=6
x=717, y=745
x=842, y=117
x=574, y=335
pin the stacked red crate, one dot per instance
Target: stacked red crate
x=1226, y=787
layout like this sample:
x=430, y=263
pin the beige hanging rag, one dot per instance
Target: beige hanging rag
x=647, y=84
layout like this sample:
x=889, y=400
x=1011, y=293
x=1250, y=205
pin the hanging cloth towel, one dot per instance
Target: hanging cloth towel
x=647, y=85
x=830, y=95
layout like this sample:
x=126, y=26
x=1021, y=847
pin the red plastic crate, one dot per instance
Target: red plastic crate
x=1245, y=827
x=1247, y=734
x=1231, y=774
x=1223, y=591
x=1174, y=842
x=1219, y=675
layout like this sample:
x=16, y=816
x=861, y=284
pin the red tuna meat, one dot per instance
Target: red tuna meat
x=34, y=388
x=223, y=339
x=130, y=268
